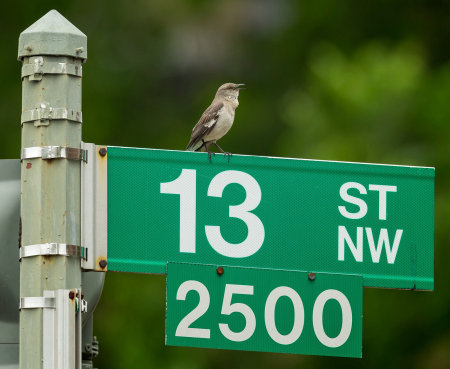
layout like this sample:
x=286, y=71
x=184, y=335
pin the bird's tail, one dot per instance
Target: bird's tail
x=194, y=146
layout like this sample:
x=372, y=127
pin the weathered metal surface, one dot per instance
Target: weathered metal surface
x=52, y=248
x=94, y=209
x=39, y=65
x=53, y=35
x=37, y=302
x=50, y=202
x=54, y=152
x=45, y=113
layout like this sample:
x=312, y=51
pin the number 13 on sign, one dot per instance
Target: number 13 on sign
x=185, y=186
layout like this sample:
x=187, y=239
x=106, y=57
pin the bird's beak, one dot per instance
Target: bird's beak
x=239, y=86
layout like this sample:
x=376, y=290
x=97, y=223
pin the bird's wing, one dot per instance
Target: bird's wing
x=205, y=125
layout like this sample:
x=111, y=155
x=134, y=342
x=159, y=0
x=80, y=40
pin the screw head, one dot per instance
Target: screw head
x=312, y=276
x=102, y=151
x=220, y=270
x=102, y=263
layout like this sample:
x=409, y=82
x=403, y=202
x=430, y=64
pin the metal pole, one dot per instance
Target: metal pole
x=52, y=51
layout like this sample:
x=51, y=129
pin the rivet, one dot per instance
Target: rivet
x=220, y=270
x=312, y=276
x=102, y=151
x=102, y=263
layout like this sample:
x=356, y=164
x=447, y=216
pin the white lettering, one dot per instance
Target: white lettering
x=353, y=200
x=384, y=239
x=255, y=236
x=382, y=189
x=346, y=327
x=345, y=237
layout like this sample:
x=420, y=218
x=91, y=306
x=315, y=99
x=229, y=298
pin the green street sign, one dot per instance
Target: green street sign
x=264, y=310
x=372, y=220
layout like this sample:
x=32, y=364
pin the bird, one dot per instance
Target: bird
x=217, y=119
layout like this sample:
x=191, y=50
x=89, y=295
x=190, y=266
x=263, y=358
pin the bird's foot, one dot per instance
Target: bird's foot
x=229, y=155
x=209, y=155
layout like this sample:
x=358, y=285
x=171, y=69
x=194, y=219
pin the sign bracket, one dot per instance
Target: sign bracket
x=94, y=207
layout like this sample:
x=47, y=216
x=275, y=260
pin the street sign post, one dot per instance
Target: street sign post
x=372, y=220
x=264, y=310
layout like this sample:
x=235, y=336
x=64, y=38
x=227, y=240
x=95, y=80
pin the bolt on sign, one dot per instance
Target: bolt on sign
x=372, y=220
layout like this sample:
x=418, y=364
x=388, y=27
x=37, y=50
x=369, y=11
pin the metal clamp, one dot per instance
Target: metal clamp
x=54, y=152
x=52, y=249
x=39, y=67
x=37, y=303
x=46, y=113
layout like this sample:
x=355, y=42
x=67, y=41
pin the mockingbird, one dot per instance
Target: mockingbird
x=217, y=119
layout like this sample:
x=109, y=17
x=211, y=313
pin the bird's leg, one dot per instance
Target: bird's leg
x=206, y=148
x=229, y=154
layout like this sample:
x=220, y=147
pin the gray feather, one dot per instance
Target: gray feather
x=204, y=125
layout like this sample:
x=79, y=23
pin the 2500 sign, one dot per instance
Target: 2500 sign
x=281, y=311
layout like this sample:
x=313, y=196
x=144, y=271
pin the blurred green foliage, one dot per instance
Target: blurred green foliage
x=339, y=80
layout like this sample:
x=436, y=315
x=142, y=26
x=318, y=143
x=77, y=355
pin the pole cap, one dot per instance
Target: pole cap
x=53, y=35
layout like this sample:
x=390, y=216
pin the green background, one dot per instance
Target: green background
x=264, y=282
x=298, y=209
x=335, y=80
